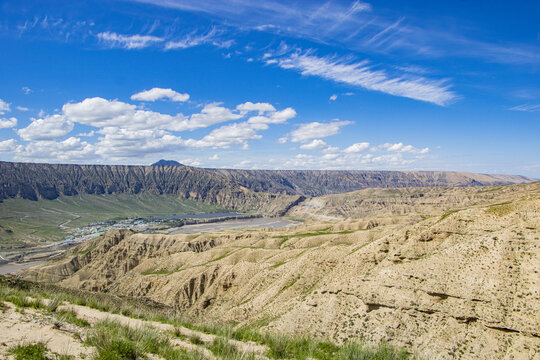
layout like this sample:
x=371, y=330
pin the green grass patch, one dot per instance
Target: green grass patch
x=37, y=351
x=501, y=210
x=276, y=265
x=289, y=285
x=447, y=214
x=71, y=317
x=87, y=250
x=310, y=234
x=219, y=258
x=34, y=222
x=114, y=341
x=158, y=272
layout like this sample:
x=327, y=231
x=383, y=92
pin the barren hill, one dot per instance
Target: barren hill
x=456, y=284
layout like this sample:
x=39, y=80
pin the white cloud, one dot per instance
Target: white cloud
x=128, y=41
x=69, y=150
x=242, y=164
x=260, y=107
x=316, y=130
x=48, y=128
x=4, y=107
x=26, y=90
x=159, y=93
x=211, y=114
x=229, y=135
x=88, y=134
x=119, y=143
x=6, y=123
x=401, y=148
x=363, y=75
x=526, y=107
x=8, y=146
x=22, y=108
x=190, y=162
x=214, y=157
x=99, y=112
x=125, y=132
x=357, y=148
x=316, y=144
x=278, y=117
x=333, y=97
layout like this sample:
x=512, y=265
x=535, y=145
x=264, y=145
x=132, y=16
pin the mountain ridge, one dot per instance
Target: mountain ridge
x=222, y=186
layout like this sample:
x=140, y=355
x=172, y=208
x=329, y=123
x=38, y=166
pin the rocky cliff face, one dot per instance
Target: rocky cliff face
x=463, y=285
x=48, y=181
x=321, y=182
x=234, y=188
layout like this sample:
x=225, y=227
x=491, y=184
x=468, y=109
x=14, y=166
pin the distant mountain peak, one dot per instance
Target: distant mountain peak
x=164, y=162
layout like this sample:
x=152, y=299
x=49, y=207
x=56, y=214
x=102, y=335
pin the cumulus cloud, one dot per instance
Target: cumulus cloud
x=214, y=157
x=363, y=75
x=128, y=41
x=260, y=107
x=357, y=148
x=8, y=146
x=229, y=135
x=26, y=90
x=117, y=143
x=22, y=108
x=159, y=93
x=121, y=130
x=6, y=123
x=99, y=112
x=316, y=144
x=333, y=97
x=48, y=128
x=277, y=117
x=316, y=130
x=401, y=148
x=69, y=150
x=4, y=107
x=348, y=161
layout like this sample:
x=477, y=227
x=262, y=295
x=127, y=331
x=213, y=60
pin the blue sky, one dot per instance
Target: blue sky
x=413, y=85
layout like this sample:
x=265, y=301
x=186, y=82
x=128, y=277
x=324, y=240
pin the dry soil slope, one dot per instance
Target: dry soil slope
x=395, y=202
x=462, y=285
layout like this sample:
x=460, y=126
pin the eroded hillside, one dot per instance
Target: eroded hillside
x=458, y=283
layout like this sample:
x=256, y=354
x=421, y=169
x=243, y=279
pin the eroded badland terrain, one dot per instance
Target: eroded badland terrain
x=442, y=272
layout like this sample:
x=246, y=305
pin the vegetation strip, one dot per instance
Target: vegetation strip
x=113, y=340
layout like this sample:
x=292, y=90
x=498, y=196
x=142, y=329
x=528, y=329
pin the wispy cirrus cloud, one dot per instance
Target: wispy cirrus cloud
x=130, y=42
x=196, y=39
x=362, y=74
x=358, y=26
x=526, y=107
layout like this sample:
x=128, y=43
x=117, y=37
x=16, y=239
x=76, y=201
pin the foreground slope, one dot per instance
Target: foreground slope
x=463, y=284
